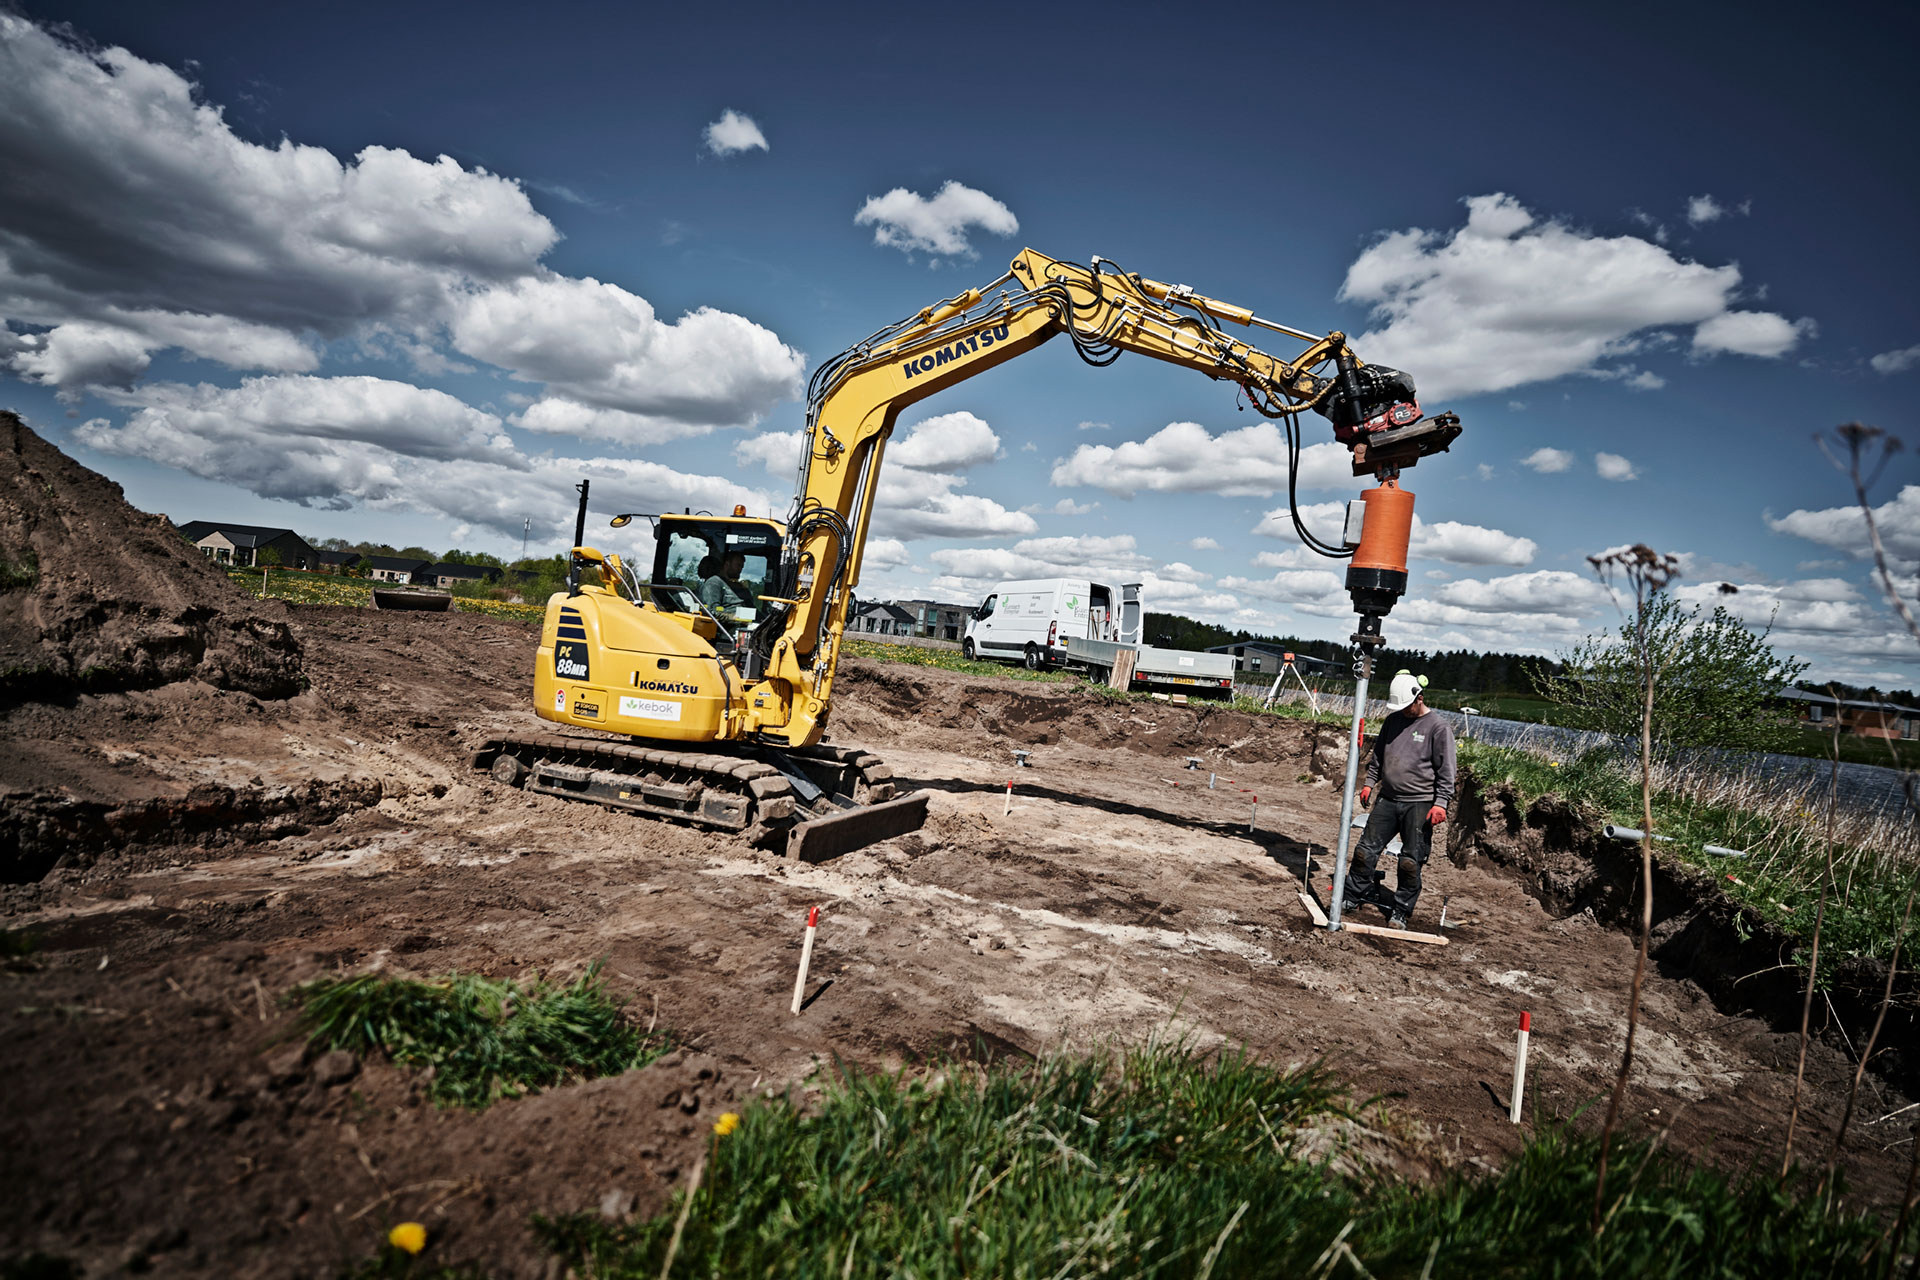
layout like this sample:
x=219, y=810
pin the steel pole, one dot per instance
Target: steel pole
x=1339, y=893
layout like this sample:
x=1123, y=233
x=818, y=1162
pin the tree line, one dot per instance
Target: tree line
x=1462, y=670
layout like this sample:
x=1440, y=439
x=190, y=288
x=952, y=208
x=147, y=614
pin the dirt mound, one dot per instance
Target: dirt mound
x=98, y=596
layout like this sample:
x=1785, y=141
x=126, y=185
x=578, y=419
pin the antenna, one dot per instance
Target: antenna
x=526, y=527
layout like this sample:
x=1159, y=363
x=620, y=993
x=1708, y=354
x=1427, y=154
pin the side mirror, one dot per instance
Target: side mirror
x=620, y=522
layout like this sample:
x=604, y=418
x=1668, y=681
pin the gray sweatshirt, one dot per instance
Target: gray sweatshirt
x=1416, y=757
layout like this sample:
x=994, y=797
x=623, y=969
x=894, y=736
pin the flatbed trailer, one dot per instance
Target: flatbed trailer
x=1208, y=675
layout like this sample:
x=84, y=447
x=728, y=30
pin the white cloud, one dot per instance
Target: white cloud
x=1547, y=461
x=130, y=204
x=1752, y=333
x=1645, y=380
x=1068, y=507
x=1550, y=591
x=951, y=441
x=1181, y=571
x=1457, y=543
x=884, y=553
x=1704, y=209
x=1203, y=544
x=1094, y=426
x=137, y=221
x=1845, y=529
x=1184, y=457
x=1484, y=469
x=1812, y=607
x=733, y=133
x=1611, y=466
x=600, y=345
x=1312, y=587
x=1324, y=520
x=553, y=415
x=1896, y=361
x=1508, y=299
x=1113, y=560
x=1299, y=557
x=361, y=441
x=915, y=501
x=908, y=221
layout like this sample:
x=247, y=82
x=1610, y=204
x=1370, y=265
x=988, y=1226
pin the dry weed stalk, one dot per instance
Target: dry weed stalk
x=1813, y=958
x=1647, y=572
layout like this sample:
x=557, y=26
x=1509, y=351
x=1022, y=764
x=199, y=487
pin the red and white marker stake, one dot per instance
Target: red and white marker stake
x=806, y=958
x=1009, y=809
x=1520, y=1068
x=1255, y=815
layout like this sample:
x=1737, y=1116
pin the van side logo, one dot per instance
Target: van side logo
x=964, y=346
x=570, y=660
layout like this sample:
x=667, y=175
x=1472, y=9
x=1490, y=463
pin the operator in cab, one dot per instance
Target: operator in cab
x=724, y=592
x=1412, y=766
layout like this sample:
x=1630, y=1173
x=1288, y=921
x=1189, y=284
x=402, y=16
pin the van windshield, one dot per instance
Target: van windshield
x=986, y=608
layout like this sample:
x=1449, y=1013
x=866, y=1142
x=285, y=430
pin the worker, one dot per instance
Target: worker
x=1411, y=765
x=723, y=592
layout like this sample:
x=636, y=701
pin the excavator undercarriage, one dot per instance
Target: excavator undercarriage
x=813, y=803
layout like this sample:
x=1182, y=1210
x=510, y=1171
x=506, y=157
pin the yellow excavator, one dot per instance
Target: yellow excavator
x=710, y=676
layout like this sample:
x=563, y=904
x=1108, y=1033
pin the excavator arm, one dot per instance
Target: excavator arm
x=855, y=399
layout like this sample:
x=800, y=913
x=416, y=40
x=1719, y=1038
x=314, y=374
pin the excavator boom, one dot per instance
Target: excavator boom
x=731, y=640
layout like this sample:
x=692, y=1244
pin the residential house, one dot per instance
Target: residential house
x=335, y=561
x=1865, y=718
x=882, y=619
x=936, y=621
x=247, y=545
x=394, y=569
x=446, y=575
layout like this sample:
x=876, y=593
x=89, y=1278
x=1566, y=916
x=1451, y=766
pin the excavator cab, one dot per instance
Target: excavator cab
x=715, y=565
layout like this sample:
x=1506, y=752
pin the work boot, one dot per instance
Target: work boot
x=1398, y=920
x=1350, y=905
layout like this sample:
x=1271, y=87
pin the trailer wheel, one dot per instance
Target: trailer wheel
x=1032, y=657
x=967, y=650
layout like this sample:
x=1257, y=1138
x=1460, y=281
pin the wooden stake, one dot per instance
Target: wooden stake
x=1313, y=909
x=1255, y=815
x=1399, y=935
x=1520, y=1068
x=806, y=958
x=1009, y=809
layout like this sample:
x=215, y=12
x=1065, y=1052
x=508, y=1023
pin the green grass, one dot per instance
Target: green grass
x=1784, y=838
x=1167, y=1163
x=1890, y=753
x=1504, y=706
x=945, y=660
x=301, y=587
x=484, y=1038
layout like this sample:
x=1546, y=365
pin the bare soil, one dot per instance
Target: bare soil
x=183, y=853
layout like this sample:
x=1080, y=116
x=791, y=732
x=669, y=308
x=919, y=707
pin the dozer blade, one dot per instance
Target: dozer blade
x=823, y=838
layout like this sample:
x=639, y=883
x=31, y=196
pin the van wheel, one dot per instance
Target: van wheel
x=966, y=649
x=1032, y=658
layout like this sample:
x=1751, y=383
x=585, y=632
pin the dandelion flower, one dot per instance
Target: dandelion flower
x=726, y=1124
x=410, y=1236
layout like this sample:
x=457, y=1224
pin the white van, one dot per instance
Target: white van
x=1030, y=621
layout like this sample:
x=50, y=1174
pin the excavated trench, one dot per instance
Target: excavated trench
x=1745, y=963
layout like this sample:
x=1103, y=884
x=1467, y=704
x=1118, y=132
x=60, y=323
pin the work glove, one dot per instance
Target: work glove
x=1366, y=796
x=1436, y=816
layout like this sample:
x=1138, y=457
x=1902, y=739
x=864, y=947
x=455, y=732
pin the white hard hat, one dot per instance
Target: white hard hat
x=1405, y=688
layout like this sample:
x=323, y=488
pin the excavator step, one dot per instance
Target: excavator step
x=823, y=838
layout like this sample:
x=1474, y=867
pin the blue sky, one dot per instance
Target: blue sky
x=406, y=272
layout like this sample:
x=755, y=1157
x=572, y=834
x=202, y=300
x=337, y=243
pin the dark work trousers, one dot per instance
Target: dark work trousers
x=1407, y=818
